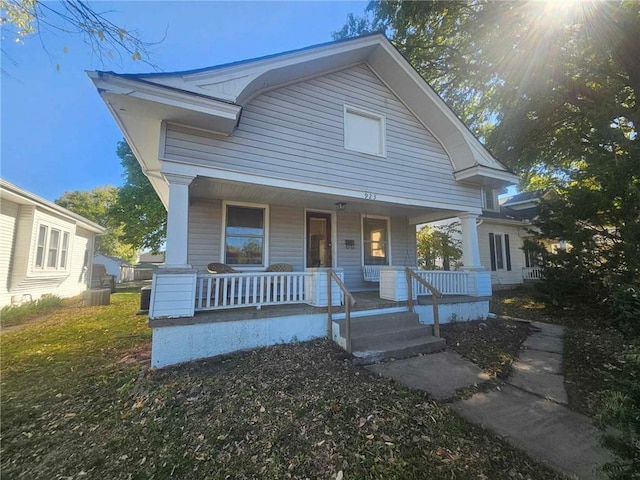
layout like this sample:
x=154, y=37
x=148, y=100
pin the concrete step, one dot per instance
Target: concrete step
x=362, y=340
x=380, y=323
x=382, y=350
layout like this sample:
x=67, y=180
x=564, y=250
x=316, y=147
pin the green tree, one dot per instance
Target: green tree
x=21, y=19
x=439, y=247
x=96, y=205
x=138, y=209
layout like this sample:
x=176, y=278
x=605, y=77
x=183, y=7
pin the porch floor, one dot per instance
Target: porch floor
x=364, y=301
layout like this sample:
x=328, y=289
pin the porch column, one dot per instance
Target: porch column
x=470, y=248
x=177, y=221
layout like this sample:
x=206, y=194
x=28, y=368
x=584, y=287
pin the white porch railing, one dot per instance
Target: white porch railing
x=532, y=273
x=236, y=290
x=447, y=282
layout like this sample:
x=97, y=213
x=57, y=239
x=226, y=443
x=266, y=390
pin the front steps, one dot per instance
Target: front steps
x=377, y=338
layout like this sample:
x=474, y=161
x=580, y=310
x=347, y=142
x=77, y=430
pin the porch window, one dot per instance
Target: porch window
x=499, y=251
x=364, y=131
x=375, y=240
x=245, y=235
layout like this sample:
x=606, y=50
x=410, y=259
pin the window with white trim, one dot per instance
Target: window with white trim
x=499, y=250
x=52, y=248
x=364, y=131
x=245, y=235
x=375, y=241
x=489, y=200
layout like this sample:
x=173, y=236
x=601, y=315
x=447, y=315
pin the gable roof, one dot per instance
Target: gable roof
x=213, y=98
x=9, y=191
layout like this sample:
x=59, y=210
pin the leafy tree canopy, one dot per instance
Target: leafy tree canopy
x=96, y=205
x=439, y=247
x=138, y=208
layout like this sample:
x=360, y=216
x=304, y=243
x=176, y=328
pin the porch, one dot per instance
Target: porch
x=241, y=311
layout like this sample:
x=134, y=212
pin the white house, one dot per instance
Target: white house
x=503, y=229
x=323, y=159
x=121, y=270
x=45, y=249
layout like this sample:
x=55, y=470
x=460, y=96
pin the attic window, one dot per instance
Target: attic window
x=364, y=131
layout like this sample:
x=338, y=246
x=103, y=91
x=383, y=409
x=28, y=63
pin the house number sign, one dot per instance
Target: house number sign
x=369, y=196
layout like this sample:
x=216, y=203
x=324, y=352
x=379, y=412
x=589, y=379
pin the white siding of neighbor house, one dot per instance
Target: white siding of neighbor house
x=287, y=237
x=296, y=133
x=502, y=277
x=8, y=220
x=20, y=281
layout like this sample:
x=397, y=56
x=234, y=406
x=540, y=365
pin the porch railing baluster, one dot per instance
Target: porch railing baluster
x=234, y=290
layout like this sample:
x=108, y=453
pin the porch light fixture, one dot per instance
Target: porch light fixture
x=341, y=206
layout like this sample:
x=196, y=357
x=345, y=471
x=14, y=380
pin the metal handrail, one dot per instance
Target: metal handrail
x=435, y=293
x=348, y=303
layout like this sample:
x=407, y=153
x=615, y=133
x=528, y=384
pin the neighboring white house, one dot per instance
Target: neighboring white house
x=119, y=268
x=504, y=226
x=45, y=249
x=321, y=158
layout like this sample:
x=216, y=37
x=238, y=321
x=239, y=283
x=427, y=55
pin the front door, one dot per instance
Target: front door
x=318, y=240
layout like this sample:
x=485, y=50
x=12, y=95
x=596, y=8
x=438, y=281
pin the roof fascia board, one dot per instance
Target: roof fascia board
x=260, y=66
x=484, y=171
x=33, y=199
x=437, y=101
x=164, y=95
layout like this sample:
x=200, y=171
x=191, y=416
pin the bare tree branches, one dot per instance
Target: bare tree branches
x=107, y=40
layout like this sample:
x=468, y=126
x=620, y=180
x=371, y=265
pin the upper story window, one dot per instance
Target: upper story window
x=364, y=131
x=245, y=235
x=489, y=200
x=375, y=241
x=52, y=248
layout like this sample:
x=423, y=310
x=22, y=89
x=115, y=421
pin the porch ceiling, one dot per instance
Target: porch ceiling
x=207, y=188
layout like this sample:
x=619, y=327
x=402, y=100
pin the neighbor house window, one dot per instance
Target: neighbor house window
x=64, y=251
x=54, y=245
x=375, y=241
x=42, y=241
x=489, y=199
x=52, y=248
x=499, y=251
x=245, y=235
x=364, y=131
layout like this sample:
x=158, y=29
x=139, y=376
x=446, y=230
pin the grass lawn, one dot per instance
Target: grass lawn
x=590, y=347
x=78, y=402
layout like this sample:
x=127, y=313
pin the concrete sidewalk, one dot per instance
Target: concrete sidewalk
x=529, y=412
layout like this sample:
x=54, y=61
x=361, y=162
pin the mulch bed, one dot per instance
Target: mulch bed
x=492, y=344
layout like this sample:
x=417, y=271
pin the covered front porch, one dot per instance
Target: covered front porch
x=403, y=315
x=335, y=245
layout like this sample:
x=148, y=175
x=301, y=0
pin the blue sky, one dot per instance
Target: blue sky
x=56, y=133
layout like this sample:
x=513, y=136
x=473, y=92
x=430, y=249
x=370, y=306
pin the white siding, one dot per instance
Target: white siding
x=22, y=281
x=296, y=133
x=502, y=277
x=8, y=220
